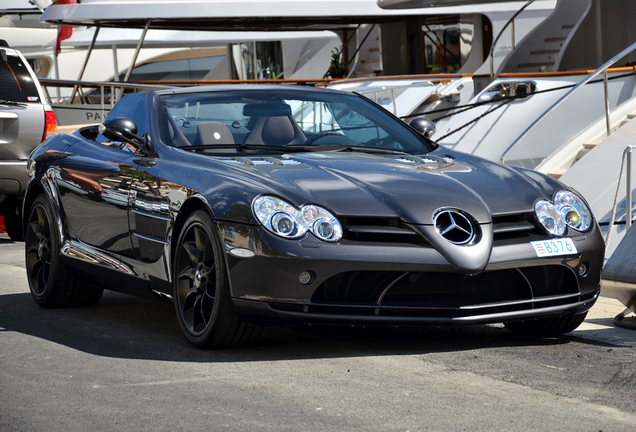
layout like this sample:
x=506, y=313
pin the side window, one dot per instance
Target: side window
x=133, y=107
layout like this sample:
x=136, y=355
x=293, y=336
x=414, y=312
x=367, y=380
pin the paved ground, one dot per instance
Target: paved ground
x=599, y=325
x=123, y=365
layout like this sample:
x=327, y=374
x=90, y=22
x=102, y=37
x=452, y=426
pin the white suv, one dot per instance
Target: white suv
x=26, y=119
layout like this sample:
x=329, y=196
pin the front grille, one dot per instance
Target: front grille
x=381, y=230
x=514, y=226
x=448, y=290
x=506, y=228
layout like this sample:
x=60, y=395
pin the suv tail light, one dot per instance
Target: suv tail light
x=50, y=126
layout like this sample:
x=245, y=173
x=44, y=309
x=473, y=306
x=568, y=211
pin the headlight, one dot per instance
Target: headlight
x=285, y=220
x=549, y=217
x=568, y=210
x=321, y=223
x=573, y=210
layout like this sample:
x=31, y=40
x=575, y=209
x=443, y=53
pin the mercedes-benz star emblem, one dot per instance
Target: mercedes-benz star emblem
x=454, y=227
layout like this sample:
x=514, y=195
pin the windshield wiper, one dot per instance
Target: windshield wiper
x=365, y=149
x=293, y=148
x=282, y=149
x=6, y=102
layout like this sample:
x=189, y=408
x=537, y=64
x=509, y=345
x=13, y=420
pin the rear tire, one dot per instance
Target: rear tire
x=547, y=326
x=202, y=296
x=50, y=281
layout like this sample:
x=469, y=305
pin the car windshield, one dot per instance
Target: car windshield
x=282, y=120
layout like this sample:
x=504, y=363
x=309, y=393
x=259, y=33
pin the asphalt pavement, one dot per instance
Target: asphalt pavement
x=124, y=365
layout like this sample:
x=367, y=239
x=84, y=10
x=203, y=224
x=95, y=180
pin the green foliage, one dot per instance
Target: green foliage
x=336, y=69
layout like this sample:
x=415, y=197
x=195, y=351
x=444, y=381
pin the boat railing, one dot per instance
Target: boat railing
x=628, y=189
x=392, y=89
x=601, y=70
x=116, y=88
x=626, y=165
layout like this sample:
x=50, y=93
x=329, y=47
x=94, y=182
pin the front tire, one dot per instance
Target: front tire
x=50, y=281
x=547, y=326
x=202, y=299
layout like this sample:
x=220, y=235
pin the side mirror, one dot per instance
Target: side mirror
x=424, y=126
x=124, y=130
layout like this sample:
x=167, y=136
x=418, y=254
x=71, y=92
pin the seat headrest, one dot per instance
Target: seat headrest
x=267, y=110
x=278, y=131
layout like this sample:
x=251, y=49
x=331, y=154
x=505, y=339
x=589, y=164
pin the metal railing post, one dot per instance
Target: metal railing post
x=628, y=192
x=139, y=44
x=512, y=34
x=88, y=56
x=101, y=93
x=607, y=106
x=393, y=98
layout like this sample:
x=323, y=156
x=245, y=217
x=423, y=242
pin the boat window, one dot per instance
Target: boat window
x=281, y=118
x=257, y=60
x=443, y=50
x=16, y=84
x=440, y=46
x=180, y=70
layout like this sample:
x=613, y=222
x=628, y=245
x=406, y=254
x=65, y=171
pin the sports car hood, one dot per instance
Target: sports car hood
x=413, y=188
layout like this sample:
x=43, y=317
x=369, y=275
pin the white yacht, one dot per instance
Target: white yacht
x=96, y=54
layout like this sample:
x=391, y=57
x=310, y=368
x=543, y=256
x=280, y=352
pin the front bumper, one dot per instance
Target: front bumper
x=356, y=282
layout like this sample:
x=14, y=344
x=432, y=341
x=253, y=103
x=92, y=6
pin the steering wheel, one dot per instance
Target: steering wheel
x=180, y=119
x=312, y=139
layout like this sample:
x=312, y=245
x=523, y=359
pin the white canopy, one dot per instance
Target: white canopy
x=128, y=37
x=255, y=15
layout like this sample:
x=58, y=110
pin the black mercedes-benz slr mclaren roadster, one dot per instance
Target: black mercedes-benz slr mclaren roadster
x=250, y=205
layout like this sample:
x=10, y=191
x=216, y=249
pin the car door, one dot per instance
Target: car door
x=151, y=200
x=93, y=181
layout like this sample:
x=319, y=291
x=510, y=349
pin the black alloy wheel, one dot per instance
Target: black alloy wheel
x=38, y=249
x=201, y=289
x=50, y=282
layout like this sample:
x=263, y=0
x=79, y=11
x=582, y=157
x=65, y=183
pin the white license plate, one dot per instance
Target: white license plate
x=554, y=247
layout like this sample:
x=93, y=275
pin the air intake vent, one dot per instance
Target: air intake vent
x=382, y=230
x=514, y=226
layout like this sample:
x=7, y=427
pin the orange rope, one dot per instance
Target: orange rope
x=14, y=77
